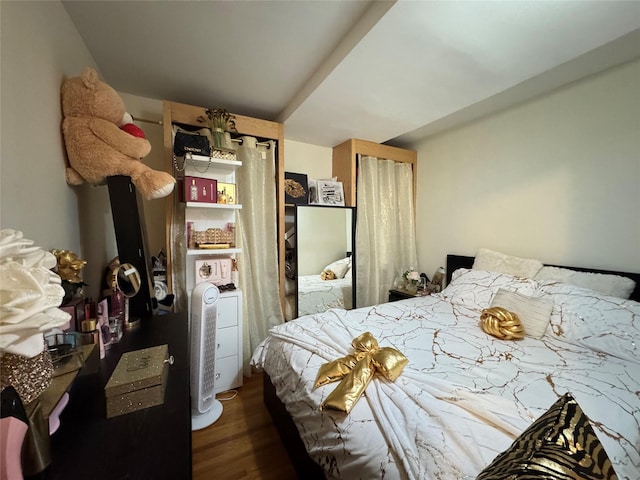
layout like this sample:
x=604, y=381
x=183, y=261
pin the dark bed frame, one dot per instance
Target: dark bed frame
x=305, y=467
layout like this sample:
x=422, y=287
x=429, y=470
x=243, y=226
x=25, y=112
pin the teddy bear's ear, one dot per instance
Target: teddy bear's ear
x=89, y=77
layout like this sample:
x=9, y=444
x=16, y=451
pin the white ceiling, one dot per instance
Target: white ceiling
x=382, y=71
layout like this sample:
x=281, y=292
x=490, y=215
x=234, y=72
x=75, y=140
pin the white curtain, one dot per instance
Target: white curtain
x=257, y=231
x=385, y=230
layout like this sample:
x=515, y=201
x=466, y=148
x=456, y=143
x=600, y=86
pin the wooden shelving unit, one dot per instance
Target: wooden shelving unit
x=261, y=129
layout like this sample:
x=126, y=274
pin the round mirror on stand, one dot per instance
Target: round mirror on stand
x=125, y=278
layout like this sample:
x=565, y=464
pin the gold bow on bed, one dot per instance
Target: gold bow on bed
x=356, y=371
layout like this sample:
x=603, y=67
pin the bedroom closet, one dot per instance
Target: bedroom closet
x=345, y=163
x=249, y=167
x=381, y=181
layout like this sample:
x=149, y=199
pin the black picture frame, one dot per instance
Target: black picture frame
x=296, y=188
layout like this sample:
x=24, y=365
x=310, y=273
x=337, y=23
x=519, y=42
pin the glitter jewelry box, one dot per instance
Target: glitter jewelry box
x=138, y=381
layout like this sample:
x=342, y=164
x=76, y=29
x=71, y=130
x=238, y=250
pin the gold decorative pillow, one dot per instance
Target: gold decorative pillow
x=327, y=275
x=560, y=445
x=501, y=323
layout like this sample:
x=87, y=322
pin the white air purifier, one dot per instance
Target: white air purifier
x=205, y=409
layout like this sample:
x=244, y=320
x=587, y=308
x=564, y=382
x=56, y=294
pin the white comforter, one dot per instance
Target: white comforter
x=316, y=295
x=464, y=396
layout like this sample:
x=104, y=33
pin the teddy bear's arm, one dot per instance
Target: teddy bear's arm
x=120, y=140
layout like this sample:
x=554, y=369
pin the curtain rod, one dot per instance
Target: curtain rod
x=145, y=120
x=262, y=144
x=159, y=122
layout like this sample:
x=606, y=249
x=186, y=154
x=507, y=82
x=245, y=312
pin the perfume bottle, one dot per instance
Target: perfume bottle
x=234, y=273
x=116, y=315
x=193, y=195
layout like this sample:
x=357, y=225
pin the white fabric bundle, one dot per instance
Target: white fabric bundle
x=29, y=295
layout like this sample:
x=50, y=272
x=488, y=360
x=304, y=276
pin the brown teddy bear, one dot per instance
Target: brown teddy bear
x=96, y=145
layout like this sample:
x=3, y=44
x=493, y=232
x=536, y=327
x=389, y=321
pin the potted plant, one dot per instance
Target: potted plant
x=220, y=122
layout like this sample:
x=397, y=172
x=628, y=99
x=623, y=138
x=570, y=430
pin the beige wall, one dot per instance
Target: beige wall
x=40, y=47
x=557, y=178
x=312, y=160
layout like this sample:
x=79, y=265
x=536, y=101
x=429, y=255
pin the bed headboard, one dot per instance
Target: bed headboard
x=461, y=261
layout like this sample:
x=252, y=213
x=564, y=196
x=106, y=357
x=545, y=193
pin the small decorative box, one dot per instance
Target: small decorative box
x=203, y=190
x=227, y=193
x=138, y=381
x=216, y=271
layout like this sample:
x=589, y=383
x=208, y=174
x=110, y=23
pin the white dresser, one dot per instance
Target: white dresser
x=228, y=365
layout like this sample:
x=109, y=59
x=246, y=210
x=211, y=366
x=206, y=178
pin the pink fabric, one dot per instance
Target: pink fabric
x=54, y=417
x=12, y=432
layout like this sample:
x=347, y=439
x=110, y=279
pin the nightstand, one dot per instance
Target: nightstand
x=395, y=295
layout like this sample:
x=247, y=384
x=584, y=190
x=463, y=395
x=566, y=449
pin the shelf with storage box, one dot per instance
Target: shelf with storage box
x=222, y=162
x=222, y=166
x=184, y=114
x=210, y=209
x=211, y=251
x=217, y=206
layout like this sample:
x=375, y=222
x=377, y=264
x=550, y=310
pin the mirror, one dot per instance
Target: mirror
x=128, y=280
x=125, y=278
x=325, y=240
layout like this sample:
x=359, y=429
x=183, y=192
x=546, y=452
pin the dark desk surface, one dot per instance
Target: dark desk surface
x=154, y=443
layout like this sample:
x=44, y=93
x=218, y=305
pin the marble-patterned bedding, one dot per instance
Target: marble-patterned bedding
x=316, y=295
x=464, y=396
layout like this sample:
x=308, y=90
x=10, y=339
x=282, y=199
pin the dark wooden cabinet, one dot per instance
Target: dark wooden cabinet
x=153, y=443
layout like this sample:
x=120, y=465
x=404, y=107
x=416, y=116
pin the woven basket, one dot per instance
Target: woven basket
x=215, y=236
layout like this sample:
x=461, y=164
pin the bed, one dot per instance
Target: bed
x=464, y=397
x=316, y=295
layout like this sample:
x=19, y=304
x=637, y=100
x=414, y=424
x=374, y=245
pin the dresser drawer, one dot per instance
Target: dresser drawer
x=226, y=342
x=228, y=375
x=227, y=311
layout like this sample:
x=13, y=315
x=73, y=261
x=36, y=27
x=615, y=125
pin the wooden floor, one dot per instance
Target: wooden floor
x=243, y=443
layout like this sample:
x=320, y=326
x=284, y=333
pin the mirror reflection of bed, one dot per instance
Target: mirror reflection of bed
x=325, y=240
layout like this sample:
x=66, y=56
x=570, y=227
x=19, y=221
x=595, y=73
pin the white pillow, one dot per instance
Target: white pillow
x=499, y=262
x=613, y=285
x=339, y=267
x=475, y=288
x=349, y=273
x=599, y=322
x=534, y=312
